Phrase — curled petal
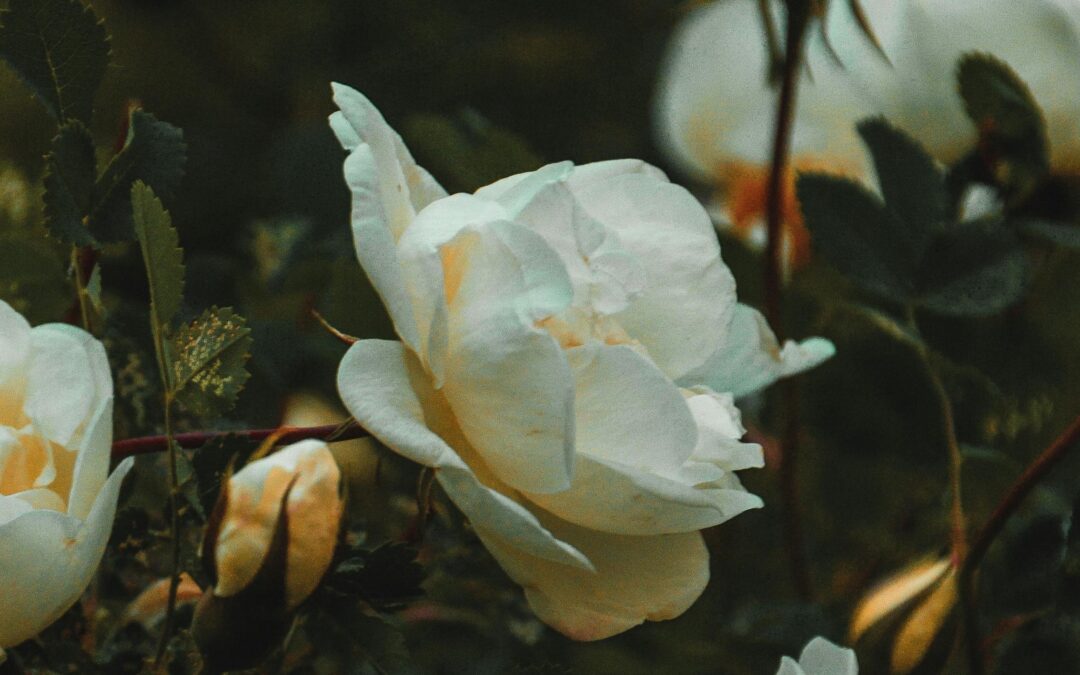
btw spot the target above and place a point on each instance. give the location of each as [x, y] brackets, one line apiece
[751, 359]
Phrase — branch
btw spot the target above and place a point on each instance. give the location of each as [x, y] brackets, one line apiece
[331, 433]
[1014, 497]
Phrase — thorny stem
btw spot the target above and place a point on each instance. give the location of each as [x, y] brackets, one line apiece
[785, 113]
[145, 445]
[1014, 497]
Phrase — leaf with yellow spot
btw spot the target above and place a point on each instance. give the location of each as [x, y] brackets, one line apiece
[209, 359]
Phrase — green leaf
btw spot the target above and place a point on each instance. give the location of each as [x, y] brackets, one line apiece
[385, 577]
[1012, 131]
[911, 183]
[60, 50]
[161, 253]
[973, 269]
[857, 234]
[209, 358]
[70, 170]
[153, 153]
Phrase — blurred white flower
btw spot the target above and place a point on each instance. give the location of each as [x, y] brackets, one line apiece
[715, 112]
[57, 499]
[821, 657]
[570, 349]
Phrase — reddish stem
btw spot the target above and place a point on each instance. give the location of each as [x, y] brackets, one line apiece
[148, 444]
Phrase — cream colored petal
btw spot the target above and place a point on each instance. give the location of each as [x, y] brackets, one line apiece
[47, 559]
[507, 380]
[383, 386]
[821, 657]
[92, 461]
[751, 359]
[683, 312]
[14, 346]
[636, 578]
[619, 499]
[253, 510]
[67, 379]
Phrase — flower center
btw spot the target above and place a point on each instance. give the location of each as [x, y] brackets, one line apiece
[34, 469]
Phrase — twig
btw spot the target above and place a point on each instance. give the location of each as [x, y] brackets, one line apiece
[331, 433]
[785, 114]
[1014, 497]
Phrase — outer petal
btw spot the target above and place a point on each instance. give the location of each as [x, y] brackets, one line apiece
[253, 510]
[636, 579]
[609, 497]
[821, 657]
[388, 189]
[92, 461]
[386, 390]
[14, 345]
[686, 306]
[403, 187]
[55, 555]
[68, 378]
[508, 381]
[750, 359]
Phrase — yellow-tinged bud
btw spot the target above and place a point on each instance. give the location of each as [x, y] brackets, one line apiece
[269, 543]
[908, 620]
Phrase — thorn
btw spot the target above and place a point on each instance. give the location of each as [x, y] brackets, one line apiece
[342, 337]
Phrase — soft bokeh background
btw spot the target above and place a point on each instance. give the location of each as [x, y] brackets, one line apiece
[481, 89]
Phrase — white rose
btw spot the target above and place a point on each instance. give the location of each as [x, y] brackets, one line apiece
[715, 112]
[564, 336]
[57, 499]
[821, 657]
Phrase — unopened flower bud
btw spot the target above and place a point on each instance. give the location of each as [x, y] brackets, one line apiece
[908, 620]
[268, 545]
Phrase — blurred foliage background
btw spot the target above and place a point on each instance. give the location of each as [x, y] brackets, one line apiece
[479, 90]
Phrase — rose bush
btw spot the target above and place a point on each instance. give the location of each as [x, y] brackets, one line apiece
[714, 109]
[570, 349]
[57, 499]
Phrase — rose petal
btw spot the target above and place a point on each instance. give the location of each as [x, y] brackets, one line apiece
[636, 578]
[508, 381]
[685, 307]
[750, 358]
[55, 555]
[68, 378]
[14, 347]
[383, 386]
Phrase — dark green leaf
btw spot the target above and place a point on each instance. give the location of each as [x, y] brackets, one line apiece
[153, 153]
[858, 235]
[973, 269]
[386, 576]
[910, 181]
[161, 253]
[70, 170]
[60, 50]
[1069, 595]
[1011, 128]
[209, 358]
[210, 462]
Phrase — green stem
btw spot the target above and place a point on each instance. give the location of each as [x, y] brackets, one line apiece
[81, 296]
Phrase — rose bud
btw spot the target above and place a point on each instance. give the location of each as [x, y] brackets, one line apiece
[269, 543]
[908, 621]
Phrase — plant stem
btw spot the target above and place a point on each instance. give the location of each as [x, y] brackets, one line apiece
[144, 445]
[774, 252]
[1014, 497]
[81, 259]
